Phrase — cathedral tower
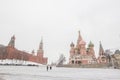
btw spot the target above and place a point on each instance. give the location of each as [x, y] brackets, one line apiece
[72, 51]
[101, 50]
[79, 39]
[90, 49]
[102, 57]
[81, 44]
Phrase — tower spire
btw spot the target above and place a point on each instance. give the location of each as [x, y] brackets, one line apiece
[40, 50]
[90, 44]
[12, 42]
[79, 37]
[101, 50]
[41, 44]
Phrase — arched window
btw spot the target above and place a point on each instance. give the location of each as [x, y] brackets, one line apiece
[79, 62]
[72, 61]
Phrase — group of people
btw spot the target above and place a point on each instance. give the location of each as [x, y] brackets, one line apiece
[49, 67]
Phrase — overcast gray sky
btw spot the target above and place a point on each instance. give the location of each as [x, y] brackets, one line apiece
[58, 22]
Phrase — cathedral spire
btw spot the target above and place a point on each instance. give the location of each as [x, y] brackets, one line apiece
[79, 37]
[101, 50]
[90, 44]
[12, 42]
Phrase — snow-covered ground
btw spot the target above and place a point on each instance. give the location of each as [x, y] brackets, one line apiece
[40, 73]
[19, 62]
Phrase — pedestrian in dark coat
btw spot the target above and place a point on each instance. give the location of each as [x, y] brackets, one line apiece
[50, 67]
[47, 68]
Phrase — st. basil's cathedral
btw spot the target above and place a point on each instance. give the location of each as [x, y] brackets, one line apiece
[79, 54]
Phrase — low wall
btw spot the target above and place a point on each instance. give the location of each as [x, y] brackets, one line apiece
[86, 66]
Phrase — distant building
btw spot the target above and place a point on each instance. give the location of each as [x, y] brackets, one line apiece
[116, 59]
[79, 54]
[10, 52]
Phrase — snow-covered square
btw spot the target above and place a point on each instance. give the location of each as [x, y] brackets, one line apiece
[57, 73]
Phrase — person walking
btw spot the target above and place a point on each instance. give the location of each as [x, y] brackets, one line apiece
[47, 68]
[50, 67]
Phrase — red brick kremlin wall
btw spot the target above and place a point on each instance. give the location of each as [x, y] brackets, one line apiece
[13, 53]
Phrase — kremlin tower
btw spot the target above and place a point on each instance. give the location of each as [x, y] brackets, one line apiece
[12, 42]
[40, 53]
